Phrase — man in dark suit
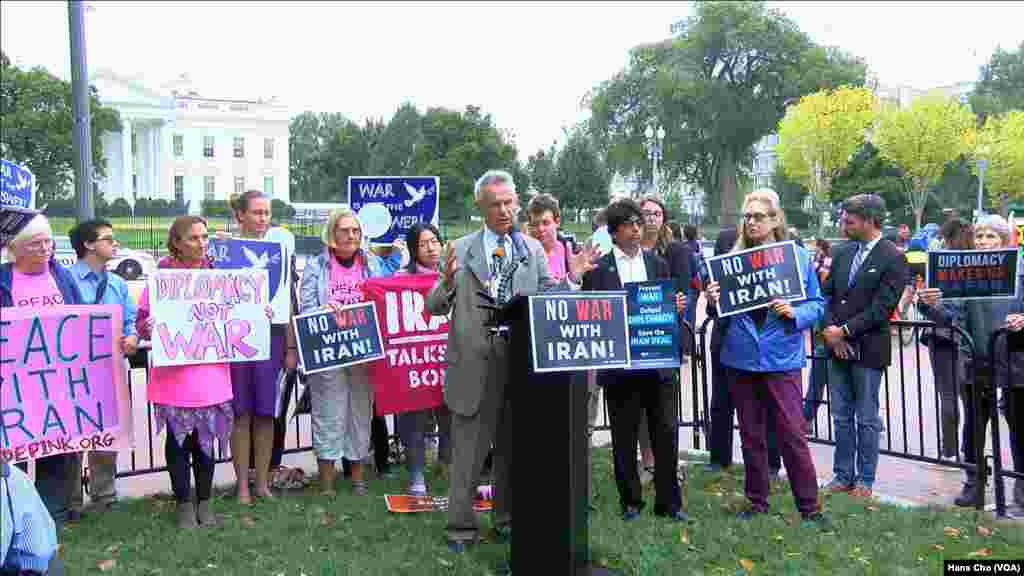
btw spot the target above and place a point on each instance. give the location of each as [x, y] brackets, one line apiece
[631, 393]
[868, 275]
[720, 437]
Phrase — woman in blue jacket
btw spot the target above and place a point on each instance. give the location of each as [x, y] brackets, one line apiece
[32, 278]
[765, 350]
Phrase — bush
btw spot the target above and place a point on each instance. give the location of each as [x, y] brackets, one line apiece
[282, 209]
[119, 208]
[216, 208]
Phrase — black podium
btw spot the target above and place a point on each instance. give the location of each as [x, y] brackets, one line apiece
[549, 460]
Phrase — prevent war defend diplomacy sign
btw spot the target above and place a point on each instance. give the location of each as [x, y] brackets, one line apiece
[388, 206]
[974, 274]
[579, 331]
[751, 279]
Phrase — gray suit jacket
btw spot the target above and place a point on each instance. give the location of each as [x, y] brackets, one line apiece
[469, 344]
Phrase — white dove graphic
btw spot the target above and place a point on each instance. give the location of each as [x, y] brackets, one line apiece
[417, 195]
[256, 261]
[24, 183]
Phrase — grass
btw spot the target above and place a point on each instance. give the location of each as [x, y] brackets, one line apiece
[304, 533]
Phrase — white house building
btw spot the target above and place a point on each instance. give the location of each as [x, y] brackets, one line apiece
[178, 145]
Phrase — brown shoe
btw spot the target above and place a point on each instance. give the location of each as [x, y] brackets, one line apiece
[860, 491]
[836, 487]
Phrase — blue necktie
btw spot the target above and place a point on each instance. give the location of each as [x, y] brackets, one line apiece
[858, 259]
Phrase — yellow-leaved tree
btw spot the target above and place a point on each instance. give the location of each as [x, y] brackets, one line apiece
[820, 134]
[1001, 143]
[921, 139]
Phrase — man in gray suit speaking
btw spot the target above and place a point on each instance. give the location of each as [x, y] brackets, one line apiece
[504, 263]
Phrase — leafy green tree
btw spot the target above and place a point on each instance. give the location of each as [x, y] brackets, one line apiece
[581, 179]
[37, 127]
[1000, 85]
[869, 173]
[921, 140]
[719, 86]
[394, 153]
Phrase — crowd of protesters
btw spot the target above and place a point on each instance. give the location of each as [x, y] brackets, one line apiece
[757, 357]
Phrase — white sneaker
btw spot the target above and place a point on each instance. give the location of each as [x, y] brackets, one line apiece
[418, 488]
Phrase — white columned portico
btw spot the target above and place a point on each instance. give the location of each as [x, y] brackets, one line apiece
[157, 153]
[127, 162]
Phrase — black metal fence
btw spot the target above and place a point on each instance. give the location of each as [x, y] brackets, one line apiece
[912, 409]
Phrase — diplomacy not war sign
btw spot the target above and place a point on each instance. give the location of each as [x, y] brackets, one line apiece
[326, 344]
[751, 279]
[411, 375]
[579, 331]
[240, 253]
[653, 325]
[388, 206]
[974, 274]
[61, 382]
[205, 316]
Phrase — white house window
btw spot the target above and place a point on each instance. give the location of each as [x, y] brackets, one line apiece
[208, 146]
[179, 188]
[239, 184]
[239, 147]
[268, 186]
[179, 145]
[208, 188]
[268, 148]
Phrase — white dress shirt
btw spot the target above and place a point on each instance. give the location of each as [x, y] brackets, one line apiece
[630, 268]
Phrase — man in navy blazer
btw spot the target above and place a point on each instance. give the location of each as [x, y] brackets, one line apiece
[867, 279]
[631, 393]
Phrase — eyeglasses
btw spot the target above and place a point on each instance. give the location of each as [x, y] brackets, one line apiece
[347, 231]
[756, 216]
[429, 243]
[634, 221]
[40, 245]
[110, 239]
[653, 214]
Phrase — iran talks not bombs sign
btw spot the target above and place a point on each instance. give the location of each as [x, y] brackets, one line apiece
[411, 375]
[205, 316]
[974, 274]
[62, 386]
[751, 279]
[579, 331]
[327, 342]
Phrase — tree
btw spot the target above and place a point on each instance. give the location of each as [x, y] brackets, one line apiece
[581, 179]
[820, 134]
[394, 153]
[37, 127]
[1001, 142]
[921, 140]
[869, 173]
[324, 150]
[718, 87]
[1000, 85]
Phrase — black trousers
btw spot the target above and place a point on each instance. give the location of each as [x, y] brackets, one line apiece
[180, 459]
[1014, 412]
[631, 393]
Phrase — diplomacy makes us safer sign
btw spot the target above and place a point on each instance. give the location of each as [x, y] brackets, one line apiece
[974, 274]
[752, 279]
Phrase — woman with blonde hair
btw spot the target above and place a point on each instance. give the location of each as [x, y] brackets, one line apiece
[32, 278]
[764, 348]
[194, 401]
[341, 400]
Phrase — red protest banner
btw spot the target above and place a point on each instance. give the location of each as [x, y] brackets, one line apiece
[411, 375]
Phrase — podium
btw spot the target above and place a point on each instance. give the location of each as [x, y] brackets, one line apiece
[549, 460]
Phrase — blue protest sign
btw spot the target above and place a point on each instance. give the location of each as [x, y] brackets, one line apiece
[753, 278]
[16, 183]
[974, 274]
[653, 325]
[235, 253]
[388, 206]
[328, 341]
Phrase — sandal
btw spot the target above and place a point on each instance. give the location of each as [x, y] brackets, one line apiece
[285, 478]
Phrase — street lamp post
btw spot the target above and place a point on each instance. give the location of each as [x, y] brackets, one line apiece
[982, 164]
[654, 151]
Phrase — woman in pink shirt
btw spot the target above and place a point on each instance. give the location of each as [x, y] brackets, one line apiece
[545, 217]
[194, 402]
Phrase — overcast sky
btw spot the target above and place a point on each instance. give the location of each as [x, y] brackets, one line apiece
[528, 64]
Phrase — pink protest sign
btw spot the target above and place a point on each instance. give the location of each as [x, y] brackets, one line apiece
[62, 386]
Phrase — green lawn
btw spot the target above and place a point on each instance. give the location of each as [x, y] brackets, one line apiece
[303, 533]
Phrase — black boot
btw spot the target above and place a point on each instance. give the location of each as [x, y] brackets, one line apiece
[967, 495]
[1018, 492]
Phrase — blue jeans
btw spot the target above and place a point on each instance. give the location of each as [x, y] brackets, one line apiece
[857, 425]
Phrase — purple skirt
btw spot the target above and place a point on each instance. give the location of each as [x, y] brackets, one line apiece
[208, 422]
[254, 384]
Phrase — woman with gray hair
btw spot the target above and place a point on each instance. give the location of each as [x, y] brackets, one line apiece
[32, 278]
[341, 400]
[981, 319]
